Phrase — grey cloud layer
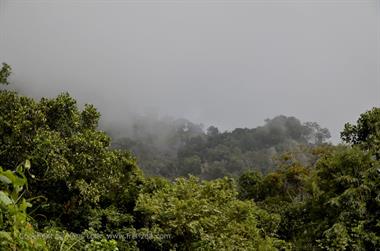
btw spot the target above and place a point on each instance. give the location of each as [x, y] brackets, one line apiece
[232, 65]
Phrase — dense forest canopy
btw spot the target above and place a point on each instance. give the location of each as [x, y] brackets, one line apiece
[173, 148]
[65, 187]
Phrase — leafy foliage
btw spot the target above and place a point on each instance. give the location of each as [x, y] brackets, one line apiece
[196, 215]
[16, 232]
[5, 72]
[73, 168]
[366, 132]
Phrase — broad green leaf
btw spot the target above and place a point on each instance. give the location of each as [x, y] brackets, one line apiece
[16, 180]
[5, 180]
[5, 199]
[5, 235]
[27, 164]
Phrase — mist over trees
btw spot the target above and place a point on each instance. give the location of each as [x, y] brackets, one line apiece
[173, 148]
[64, 187]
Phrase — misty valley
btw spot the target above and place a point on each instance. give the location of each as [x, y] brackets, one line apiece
[169, 184]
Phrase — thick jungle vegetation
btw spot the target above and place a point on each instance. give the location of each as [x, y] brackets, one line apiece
[172, 148]
[64, 186]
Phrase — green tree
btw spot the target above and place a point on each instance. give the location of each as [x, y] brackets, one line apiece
[195, 215]
[5, 72]
[73, 168]
[349, 183]
[365, 133]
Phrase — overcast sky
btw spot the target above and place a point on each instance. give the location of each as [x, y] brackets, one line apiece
[227, 63]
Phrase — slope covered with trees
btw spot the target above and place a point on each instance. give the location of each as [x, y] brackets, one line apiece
[173, 148]
[63, 187]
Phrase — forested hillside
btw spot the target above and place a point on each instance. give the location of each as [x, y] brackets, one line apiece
[63, 187]
[173, 148]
